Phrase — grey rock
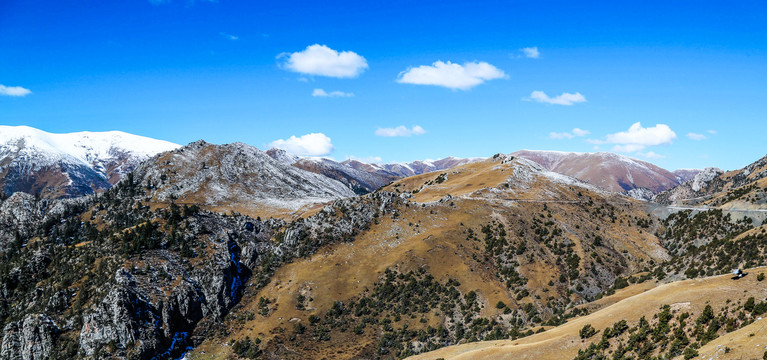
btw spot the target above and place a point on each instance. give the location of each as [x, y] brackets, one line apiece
[32, 338]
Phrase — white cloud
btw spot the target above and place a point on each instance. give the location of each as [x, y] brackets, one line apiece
[580, 132]
[651, 155]
[400, 131]
[712, 132]
[564, 99]
[321, 60]
[229, 36]
[558, 136]
[451, 75]
[637, 138]
[696, 137]
[314, 144]
[569, 135]
[323, 93]
[14, 91]
[530, 52]
[658, 135]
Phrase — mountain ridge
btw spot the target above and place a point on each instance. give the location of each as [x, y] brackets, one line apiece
[610, 171]
[70, 164]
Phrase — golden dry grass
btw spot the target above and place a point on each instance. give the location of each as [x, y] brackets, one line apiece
[563, 342]
[343, 271]
[432, 235]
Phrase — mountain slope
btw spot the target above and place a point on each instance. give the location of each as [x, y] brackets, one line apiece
[401, 170]
[683, 175]
[69, 165]
[483, 249]
[612, 172]
[359, 181]
[234, 177]
[360, 177]
[726, 298]
[744, 188]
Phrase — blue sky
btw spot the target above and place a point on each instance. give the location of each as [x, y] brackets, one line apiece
[693, 73]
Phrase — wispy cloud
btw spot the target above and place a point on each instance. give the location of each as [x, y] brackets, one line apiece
[451, 75]
[637, 138]
[321, 60]
[530, 52]
[569, 135]
[563, 99]
[651, 155]
[229, 36]
[314, 144]
[14, 91]
[323, 93]
[400, 131]
[697, 137]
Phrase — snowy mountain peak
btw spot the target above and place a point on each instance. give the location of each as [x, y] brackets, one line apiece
[86, 147]
[70, 164]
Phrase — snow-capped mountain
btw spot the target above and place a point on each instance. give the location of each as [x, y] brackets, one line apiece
[361, 182]
[401, 170]
[234, 177]
[612, 172]
[363, 177]
[282, 156]
[72, 164]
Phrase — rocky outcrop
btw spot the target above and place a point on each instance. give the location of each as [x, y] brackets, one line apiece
[149, 313]
[19, 215]
[751, 173]
[683, 175]
[234, 175]
[32, 338]
[705, 183]
[339, 221]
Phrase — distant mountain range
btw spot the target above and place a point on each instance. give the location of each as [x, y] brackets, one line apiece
[199, 249]
[743, 188]
[69, 165]
[363, 177]
[609, 171]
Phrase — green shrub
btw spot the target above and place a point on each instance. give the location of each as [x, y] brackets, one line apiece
[587, 331]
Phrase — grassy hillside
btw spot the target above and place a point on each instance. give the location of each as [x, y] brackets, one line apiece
[713, 312]
[463, 260]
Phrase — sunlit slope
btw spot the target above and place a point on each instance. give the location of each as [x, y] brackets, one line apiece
[442, 236]
[689, 296]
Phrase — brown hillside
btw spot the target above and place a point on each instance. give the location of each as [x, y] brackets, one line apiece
[689, 296]
[510, 232]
